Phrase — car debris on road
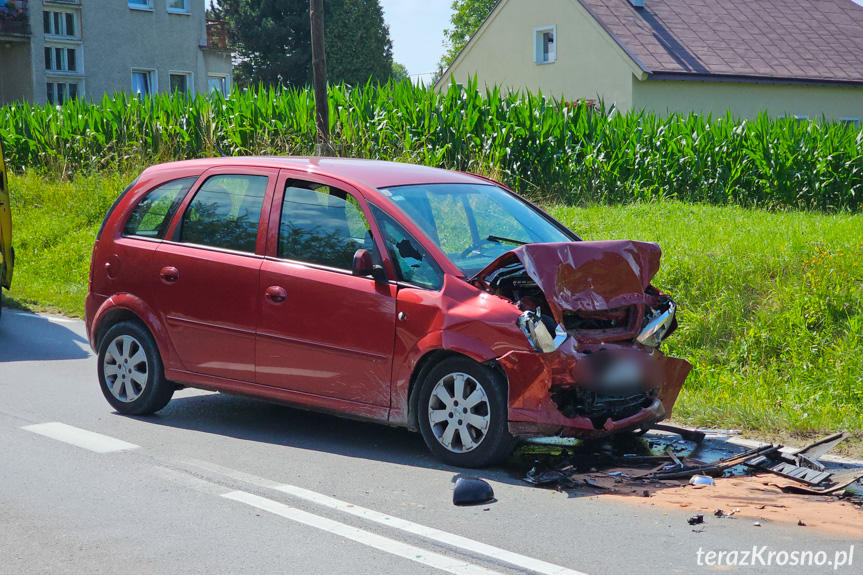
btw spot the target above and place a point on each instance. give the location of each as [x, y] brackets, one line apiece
[472, 491]
[605, 471]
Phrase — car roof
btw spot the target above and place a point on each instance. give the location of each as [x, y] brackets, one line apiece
[373, 173]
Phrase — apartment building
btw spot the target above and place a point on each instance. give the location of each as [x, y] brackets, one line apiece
[52, 50]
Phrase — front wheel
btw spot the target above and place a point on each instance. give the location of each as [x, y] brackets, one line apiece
[463, 412]
[130, 370]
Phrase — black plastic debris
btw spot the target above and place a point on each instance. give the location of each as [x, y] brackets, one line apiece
[696, 519]
[803, 467]
[472, 491]
[692, 435]
[552, 476]
[714, 469]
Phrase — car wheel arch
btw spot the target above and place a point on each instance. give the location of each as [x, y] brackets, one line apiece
[126, 307]
[426, 363]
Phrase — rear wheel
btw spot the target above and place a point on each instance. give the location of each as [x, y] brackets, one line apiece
[463, 412]
[130, 370]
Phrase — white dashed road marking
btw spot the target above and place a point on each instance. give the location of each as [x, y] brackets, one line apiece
[451, 539]
[80, 437]
[374, 540]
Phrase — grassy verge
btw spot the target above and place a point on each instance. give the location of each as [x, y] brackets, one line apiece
[54, 225]
[771, 303]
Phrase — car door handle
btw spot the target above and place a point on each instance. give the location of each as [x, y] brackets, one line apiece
[276, 294]
[169, 274]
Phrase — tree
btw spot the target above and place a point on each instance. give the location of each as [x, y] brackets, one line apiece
[273, 38]
[359, 48]
[468, 17]
[274, 45]
[400, 72]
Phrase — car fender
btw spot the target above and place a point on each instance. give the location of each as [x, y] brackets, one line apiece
[415, 360]
[139, 308]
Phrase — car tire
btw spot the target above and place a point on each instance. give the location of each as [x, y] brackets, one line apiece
[130, 370]
[462, 413]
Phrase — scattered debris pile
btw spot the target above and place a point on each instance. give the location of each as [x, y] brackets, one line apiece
[801, 472]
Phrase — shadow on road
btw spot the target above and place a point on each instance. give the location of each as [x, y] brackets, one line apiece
[29, 337]
[254, 420]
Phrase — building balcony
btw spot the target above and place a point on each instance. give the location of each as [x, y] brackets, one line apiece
[217, 35]
[14, 19]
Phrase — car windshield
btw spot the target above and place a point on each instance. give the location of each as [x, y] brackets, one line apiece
[474, 224]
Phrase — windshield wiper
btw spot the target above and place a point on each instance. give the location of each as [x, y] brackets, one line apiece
[500, 240]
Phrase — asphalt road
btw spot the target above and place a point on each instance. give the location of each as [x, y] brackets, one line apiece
[217, 484]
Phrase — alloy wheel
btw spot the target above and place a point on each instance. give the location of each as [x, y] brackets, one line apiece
[126, 368]
[459, 412]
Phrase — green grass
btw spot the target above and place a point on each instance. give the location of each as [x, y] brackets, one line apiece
[54, 224]
[771, 303]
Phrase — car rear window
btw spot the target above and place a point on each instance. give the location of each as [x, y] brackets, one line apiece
[113, 207]
[153, 214]
[225, 212]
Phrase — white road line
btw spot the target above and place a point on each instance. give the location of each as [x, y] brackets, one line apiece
[80, 437]
[374, 540]
[458, 541]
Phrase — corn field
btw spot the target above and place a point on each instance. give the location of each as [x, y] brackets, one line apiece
[542, 147]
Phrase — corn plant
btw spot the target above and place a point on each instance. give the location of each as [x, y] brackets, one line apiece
[543, 147]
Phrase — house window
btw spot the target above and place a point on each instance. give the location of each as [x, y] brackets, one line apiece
[178, 6]
[851, 122]
[181, 82]
[61, 59]
[59, 24]
[141, 4]
[217, 84]
[545, 51]
[59, 92]
[143, 82]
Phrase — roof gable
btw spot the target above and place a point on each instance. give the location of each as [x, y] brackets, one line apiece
[799, 40]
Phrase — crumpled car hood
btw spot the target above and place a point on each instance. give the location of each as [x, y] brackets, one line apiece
[589, 276]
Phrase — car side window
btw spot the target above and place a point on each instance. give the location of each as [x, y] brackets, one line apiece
[322, 225]
[412, 262]
[153, 214]
[225, 212]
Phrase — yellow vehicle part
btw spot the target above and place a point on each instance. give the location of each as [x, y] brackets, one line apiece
[7, 256]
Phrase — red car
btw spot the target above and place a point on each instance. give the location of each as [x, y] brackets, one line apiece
[403, 294]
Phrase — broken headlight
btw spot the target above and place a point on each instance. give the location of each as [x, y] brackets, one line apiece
[656, 326]
[538, 334]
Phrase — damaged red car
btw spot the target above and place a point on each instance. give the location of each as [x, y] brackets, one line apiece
[402, 294]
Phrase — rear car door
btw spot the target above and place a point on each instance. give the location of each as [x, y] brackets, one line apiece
[321, 330]
[205, 279]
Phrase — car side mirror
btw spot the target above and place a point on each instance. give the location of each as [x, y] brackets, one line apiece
[363, 267]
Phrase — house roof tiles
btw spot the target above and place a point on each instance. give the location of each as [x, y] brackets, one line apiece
[812, 40]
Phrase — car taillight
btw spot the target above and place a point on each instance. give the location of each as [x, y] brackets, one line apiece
[92, 261]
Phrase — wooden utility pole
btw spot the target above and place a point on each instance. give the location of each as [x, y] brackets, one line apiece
[319, 68]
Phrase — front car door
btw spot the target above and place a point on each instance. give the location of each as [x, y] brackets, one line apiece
[205, 279]
[321, 330]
